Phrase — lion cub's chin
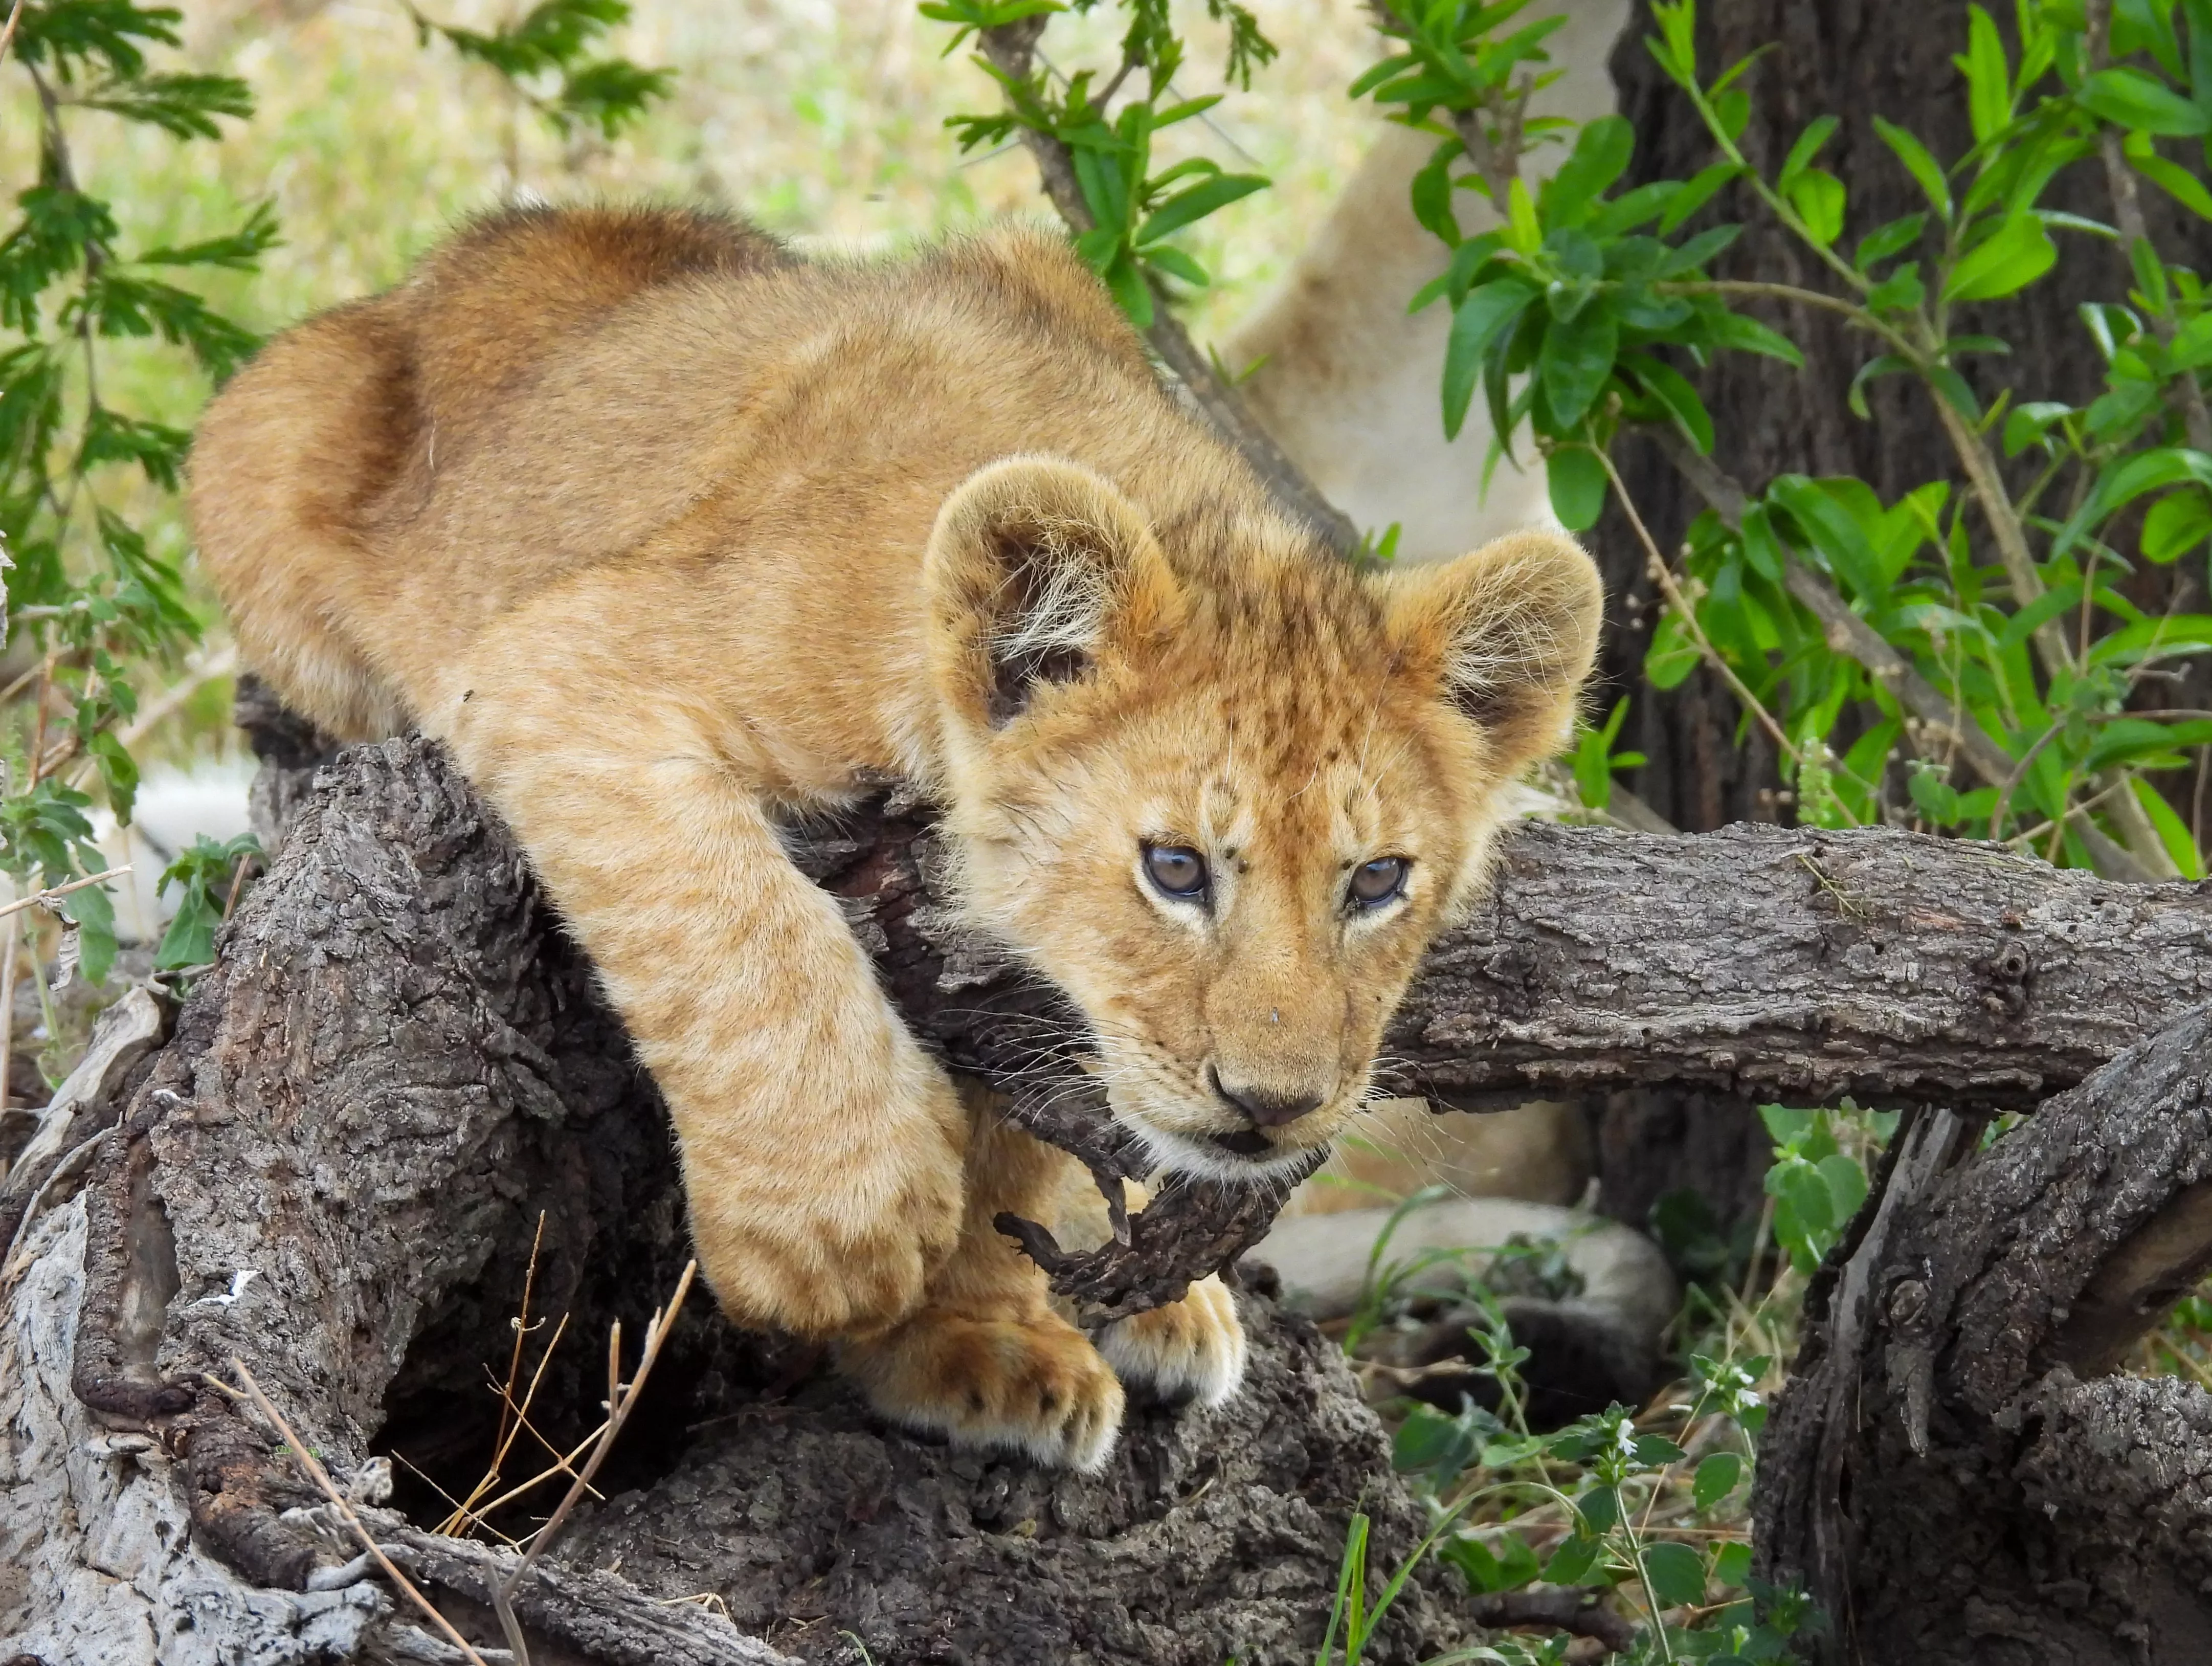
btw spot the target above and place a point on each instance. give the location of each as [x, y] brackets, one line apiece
[1210, 1158]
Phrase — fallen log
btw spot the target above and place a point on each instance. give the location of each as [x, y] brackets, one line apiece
[338, 1169]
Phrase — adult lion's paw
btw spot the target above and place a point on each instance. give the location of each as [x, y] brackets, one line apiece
[1033, 1385]
[1192, 1349]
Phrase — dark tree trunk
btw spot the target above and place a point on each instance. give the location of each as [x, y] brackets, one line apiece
[1856, 60]
[1952, 1474]
[1708, 766]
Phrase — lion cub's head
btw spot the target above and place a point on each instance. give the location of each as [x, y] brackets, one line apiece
[1222, 790]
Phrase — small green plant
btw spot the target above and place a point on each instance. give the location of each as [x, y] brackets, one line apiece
[207, 876]
[1594, 762]
[1974, 628]
[93, 606]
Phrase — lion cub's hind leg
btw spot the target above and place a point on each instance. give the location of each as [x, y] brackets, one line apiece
[1190, 1350]
[986, 1362]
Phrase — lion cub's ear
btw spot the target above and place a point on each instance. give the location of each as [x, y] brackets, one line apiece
[1035, 570]
[1509, 633]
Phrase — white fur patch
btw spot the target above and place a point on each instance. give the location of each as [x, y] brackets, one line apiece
[1197, 1352]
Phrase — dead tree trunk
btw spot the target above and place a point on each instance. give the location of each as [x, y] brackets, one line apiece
[400, 1065]
[1955, 1474]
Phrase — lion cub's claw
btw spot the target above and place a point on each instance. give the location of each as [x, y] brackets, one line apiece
[1033, 1385]
[1192, 1349]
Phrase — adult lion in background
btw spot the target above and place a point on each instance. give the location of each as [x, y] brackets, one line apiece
[669, 533]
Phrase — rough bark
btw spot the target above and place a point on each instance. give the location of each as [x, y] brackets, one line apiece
[400, 1063]
[1951, 1472]
[398, 1067]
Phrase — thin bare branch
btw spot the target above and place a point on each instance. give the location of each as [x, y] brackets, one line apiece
[40, 898]
[317, 1473]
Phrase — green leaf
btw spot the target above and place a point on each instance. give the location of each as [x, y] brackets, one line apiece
[118, 773]
[1578, 484]
[2179, 183]
[1672, 389]
[1801, 153]
[1571, 1562]
[2027, 425]
[1919, 163]
[2173, 831]
[2010, 259]
[1715, 1479]
[2130, 98]
[1677, 1572]
[1749, 336]
[1732, 1564]
[1576, 360]
[1486, 312]
[1601, 155]
[1166, 258]
[1847, 1186]
[1886, 364]
[1696, 193]
[1693, 255]
[1761, 549]
[1818, 198]
[1513, 1565]
[1432, 193]
[1883, 241]
[1522, 232]
[1832, 530]
[1989, 77]
[190, 940]
[1196, 203]
[2176, 525]
[93, 910]
[1672, 656]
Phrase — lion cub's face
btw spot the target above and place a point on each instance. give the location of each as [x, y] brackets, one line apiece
[1224, 798]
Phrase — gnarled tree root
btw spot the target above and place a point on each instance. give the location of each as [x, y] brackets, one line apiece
[1951, 1473]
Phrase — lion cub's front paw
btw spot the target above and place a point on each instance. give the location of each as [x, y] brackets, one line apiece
[1191, 1349]
[1033, 1385]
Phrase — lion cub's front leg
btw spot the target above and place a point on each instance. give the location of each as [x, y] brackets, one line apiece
[821, 1150]
[988, 1362]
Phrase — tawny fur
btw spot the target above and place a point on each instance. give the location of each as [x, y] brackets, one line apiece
[667, 533]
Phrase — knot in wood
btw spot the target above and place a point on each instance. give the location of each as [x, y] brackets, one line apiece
[2009, 972]
[1908, 1301]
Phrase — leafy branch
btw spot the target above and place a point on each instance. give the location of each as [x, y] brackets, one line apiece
[1097, 168]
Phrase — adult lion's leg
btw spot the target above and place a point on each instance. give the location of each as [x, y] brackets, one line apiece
[822, 1149]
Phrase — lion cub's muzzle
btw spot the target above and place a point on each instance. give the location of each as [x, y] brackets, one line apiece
[1260, 1105]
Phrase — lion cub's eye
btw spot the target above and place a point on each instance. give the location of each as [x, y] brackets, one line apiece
[1176, 869]
[1375, 882]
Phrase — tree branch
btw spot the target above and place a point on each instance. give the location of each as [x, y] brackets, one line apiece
[1849, 634]
[1012, 49]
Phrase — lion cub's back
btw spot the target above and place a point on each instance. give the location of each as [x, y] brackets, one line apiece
[309, 462]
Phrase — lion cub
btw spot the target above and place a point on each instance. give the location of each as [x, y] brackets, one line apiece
[667, 533]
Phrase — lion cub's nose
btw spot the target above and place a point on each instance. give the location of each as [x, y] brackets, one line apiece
[1264, 1108]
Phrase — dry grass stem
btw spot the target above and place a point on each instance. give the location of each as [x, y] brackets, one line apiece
[621, 1399]
[316, 1473]
[38, 898]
